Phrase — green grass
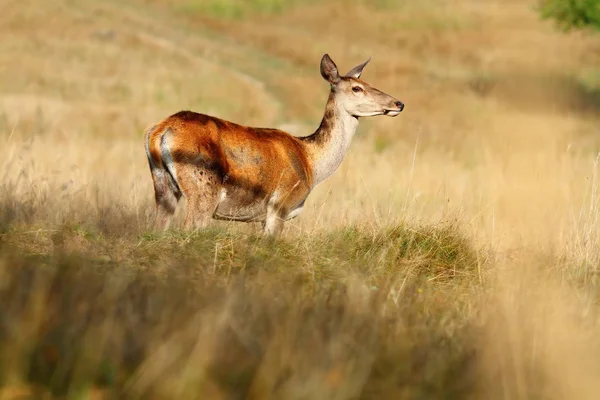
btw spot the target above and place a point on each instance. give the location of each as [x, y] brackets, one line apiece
[589, 79]
[235, 9]
[100, 317]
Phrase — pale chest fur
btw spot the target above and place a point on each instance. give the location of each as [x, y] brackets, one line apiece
[328, 155]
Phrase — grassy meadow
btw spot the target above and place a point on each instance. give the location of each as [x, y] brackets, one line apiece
[454, 255]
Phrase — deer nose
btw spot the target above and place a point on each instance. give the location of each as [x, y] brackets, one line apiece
[400, 105]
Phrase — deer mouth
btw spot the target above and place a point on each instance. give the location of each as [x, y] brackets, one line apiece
[391, 112]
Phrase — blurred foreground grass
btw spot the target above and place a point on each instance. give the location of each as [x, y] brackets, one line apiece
[344, 314]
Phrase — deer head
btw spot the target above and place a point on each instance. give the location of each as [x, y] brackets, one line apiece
[354, 95]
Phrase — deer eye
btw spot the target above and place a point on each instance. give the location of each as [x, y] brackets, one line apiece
[356, 89]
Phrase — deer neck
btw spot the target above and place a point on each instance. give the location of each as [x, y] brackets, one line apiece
[328, 145]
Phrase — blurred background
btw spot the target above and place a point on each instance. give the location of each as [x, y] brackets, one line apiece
[499, 138]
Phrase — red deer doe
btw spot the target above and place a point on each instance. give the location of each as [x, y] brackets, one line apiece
[240, 173]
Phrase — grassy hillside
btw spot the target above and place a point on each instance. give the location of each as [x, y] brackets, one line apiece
[453, 255]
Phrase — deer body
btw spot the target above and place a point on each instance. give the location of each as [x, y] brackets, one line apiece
[241, 173]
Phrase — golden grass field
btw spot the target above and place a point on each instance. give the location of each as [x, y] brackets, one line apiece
[454, 254]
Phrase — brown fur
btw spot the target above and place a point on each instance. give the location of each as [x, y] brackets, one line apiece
[251, 164]
[324, 131]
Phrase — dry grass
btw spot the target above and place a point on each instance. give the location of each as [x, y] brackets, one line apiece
[455, 253]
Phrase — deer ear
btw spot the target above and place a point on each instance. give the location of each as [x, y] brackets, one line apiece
[329, 70]
[357, 71]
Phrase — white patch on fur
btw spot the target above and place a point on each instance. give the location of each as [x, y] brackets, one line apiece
[271, 223]
[223, 195]
[272, 219]
[294, 213]
[147, 145]
[167, 158]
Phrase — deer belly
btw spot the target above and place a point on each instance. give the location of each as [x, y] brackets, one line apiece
[238, 205]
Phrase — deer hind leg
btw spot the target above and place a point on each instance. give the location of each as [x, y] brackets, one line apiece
[201, 187]
[166, 191]
[166, 196]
